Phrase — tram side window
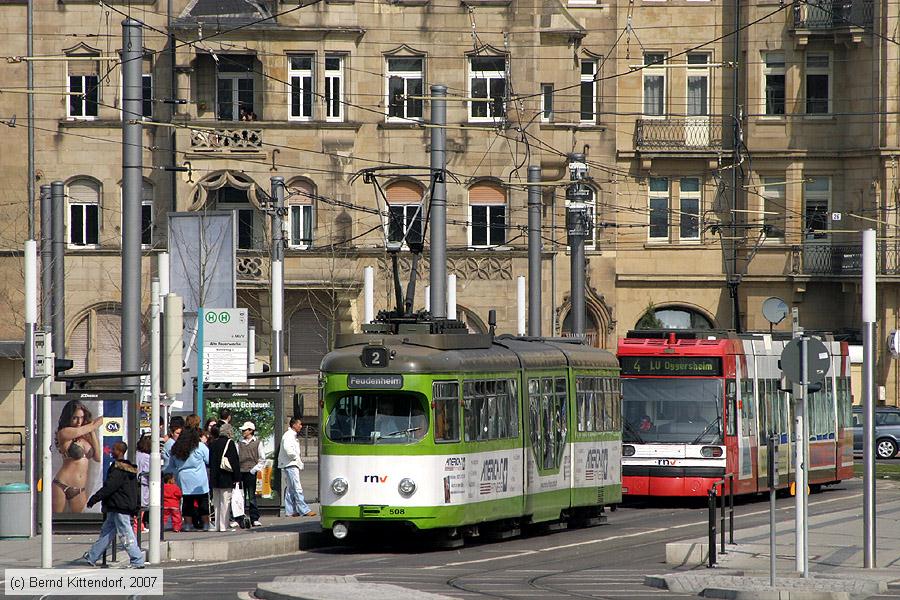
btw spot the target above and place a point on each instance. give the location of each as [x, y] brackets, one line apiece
[491, 409]
[534, 411]
[446, 411]
[731, 407]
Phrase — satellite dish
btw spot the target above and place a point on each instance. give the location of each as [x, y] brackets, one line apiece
[774, 310]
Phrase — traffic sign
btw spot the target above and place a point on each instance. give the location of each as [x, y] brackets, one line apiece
[817, 356]
[225, 345]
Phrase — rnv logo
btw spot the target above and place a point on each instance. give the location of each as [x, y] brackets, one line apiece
[375, 478]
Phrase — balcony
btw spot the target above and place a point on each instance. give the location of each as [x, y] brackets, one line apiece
[846, 259]
[846, 20]
[686, 134]
[231, 141]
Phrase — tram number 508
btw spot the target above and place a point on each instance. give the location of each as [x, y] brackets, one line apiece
[397, 511]
[374, 356]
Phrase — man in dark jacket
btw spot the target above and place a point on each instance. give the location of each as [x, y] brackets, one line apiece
[121, 499]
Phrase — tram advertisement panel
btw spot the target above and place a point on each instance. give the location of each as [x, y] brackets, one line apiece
[85, 427]
[700, 366]
[263, 408]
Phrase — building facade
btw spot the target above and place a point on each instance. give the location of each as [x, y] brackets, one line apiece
[691, 205]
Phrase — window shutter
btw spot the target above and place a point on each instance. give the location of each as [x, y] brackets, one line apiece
[404, 192]
[78, 346]
[84, 190]
[108, 337]
[486, 193]
[308, 341]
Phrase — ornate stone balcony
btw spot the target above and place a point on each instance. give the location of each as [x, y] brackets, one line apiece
[685, 134]
[833, 14]
[842, 259]
[226, 140]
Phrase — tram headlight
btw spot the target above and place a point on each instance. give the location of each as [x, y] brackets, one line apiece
[711, 452]
[339, 530]
[407, 487]
[339, 486]
[627, 450]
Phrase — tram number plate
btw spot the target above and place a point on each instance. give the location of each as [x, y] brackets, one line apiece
[378, 511]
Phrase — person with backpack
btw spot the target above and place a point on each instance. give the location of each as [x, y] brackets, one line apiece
[120, 497]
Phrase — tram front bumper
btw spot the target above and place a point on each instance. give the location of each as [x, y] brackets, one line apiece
[669, 481]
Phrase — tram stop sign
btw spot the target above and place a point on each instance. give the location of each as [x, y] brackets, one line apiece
[818, 359]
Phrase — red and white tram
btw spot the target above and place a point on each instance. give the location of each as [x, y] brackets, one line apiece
[699, 405]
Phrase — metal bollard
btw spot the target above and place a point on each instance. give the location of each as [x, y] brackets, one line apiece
[722, 518]
[731, 510]
[712, 527]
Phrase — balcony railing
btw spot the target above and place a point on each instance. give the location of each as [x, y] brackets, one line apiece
[845, 259]
[833, 14]
[686, 134]
[226, 140]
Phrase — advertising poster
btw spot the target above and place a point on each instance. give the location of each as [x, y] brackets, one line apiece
[85, 426]
[262, 407]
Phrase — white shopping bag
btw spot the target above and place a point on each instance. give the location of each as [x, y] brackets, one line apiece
[237, 502]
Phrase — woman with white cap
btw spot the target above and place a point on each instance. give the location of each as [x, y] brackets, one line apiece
[252, 462]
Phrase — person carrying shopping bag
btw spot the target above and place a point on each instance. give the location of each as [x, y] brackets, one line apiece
[224, 475]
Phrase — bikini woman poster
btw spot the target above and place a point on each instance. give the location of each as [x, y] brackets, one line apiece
[85, 426]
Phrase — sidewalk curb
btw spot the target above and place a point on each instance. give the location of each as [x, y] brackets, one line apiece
[336, 587]
[248, 546]
[734, 585]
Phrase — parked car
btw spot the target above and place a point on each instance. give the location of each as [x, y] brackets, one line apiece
[887, 431]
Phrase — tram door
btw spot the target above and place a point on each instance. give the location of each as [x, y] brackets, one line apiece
[546, 447]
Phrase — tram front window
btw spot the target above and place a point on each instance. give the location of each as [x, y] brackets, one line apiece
[672, 410]
[377, 418]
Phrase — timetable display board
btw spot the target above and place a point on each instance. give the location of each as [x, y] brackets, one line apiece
[684, 366]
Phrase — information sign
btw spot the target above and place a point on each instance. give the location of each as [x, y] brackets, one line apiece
[690, 366]
[225, 339]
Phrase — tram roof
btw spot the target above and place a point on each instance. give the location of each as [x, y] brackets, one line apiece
[441, 353]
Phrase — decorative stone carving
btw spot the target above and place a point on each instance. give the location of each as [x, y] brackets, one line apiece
[250, 267]
[482, 268]
[226, 140]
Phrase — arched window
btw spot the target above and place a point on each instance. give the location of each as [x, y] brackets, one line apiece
[95, 344]
[591, 329]
[84, 212]
[300, 213]
[673, 317]
[405, 211]
[308, 339]
[487, 215]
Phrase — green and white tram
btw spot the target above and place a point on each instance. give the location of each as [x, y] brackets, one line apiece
[466, 434]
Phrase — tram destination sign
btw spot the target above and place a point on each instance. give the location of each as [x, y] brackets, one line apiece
[374, 382]
[696, 366]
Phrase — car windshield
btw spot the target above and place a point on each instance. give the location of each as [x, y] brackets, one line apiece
[673, 410]
[377, 418]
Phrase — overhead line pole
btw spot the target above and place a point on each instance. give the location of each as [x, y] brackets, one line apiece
[277, 189]
[868, 319]
[132, 187]
[58, 265]
[534, 252]
[438, 208]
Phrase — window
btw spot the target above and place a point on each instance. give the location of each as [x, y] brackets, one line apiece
[698, 85]
[597, 404]
[84, 212]
[404, 212]
[404, 79]
[234, 88]
[816, 200]
[689, 217]
[487, 79]
[588, 91]
[445, 397]
[773, 80]
[673, 317]
[546, 102]
[300, 75]
[309, 339]
[547, 407]
[377, 418]
[147, 215]
[773, 205]
[300, 214]
[249, 226]
[491, 409]
[654, 84]
[659, 208]
[83, 81]
[818, 83]
[487, 215]
[334, 88]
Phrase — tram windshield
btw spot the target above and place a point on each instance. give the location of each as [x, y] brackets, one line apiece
[377, 418]
[672, 410]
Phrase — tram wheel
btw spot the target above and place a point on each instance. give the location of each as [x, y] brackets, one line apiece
[447, 539]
